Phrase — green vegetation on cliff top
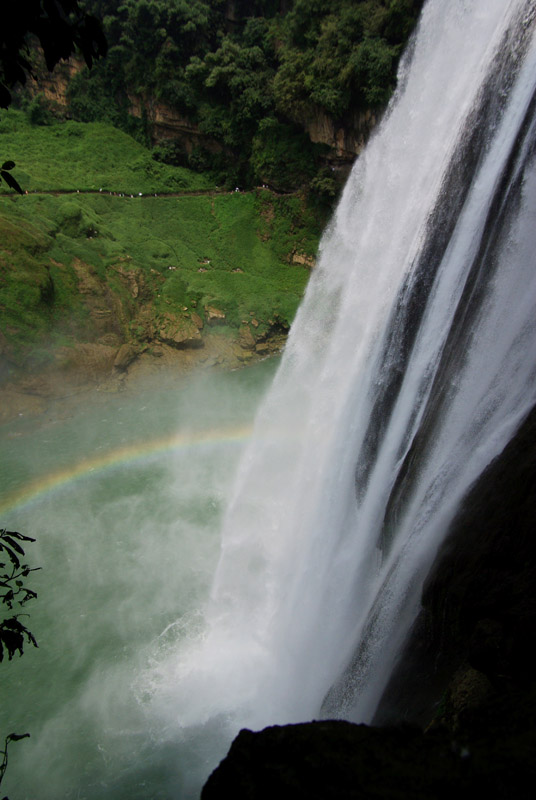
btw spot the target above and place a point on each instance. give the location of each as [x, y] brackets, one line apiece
[247, 76]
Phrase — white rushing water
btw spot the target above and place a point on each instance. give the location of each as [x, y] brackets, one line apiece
[410, 364]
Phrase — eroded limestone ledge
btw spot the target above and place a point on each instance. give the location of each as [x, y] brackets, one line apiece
[75, 371]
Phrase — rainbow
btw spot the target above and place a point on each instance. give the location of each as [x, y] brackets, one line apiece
[131, 454]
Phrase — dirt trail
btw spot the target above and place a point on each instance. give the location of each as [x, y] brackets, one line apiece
[150, 195]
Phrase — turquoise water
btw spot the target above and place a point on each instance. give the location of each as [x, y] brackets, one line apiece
[124, 495]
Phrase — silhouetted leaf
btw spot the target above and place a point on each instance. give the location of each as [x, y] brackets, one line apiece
[13, 641]
[11, 182]
[8, 165]
[16, 737]
[16, 535]
[14, 560]
[14, 544]
[30, 595]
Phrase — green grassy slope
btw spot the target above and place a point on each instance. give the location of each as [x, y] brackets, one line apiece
[69, 155]
[63, 255]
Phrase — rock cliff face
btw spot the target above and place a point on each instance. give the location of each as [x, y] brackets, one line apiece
[344, 137]
[119, 333]
[467, 675]
[54, 85]
[166, 123]
[477, 627]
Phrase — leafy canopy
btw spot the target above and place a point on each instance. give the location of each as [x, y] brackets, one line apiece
[234, 69]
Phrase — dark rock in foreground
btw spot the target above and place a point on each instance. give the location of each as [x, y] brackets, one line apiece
[340, 761]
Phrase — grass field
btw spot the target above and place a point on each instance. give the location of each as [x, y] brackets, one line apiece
[70, 156]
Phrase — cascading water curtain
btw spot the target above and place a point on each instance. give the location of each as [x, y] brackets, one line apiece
[410, 364]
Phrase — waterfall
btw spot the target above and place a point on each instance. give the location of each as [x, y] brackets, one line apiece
[409, 366]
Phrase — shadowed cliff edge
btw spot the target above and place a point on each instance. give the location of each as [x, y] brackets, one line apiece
[459, 713]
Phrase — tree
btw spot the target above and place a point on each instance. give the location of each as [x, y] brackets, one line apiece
[13, 595]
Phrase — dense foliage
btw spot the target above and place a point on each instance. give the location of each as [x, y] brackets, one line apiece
[248, 74]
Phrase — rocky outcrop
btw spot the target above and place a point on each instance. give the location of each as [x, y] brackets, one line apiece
[345, 138]
[121, 328]
[167, 123]
[177, 331]
[246, 338]
[214, 316]
[335, 760]
[477, 626]
[303, 260]
[54, 85]
[124, 357]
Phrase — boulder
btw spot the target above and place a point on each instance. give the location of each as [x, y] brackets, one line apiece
[125, 356]
[197, 320]
[246, 339]
[178, 332]
[214, 315]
